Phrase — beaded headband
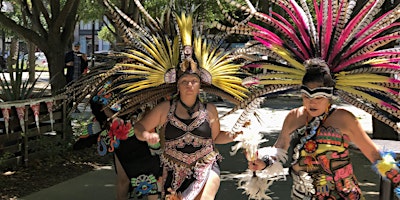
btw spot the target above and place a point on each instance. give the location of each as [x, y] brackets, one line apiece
[326, 92]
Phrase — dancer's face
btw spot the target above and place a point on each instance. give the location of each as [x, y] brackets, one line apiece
[189, 84]
[315, 105]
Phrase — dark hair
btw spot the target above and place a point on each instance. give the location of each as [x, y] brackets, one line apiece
[317, 71]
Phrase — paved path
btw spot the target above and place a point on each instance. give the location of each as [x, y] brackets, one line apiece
[100, 184]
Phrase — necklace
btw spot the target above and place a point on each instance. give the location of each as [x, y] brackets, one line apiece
[189, 110]
[310, 145]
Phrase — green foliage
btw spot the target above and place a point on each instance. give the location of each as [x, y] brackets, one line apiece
[4, 157]
[207, 11]
[15, 88]
[107, 35]
[52, 147]
[90, 10]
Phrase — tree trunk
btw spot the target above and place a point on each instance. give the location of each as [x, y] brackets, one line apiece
[55, 60]
[31, 61]
[13, 57]
[382, 131]
[3, 42]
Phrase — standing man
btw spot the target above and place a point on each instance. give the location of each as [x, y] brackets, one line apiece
[75, 62]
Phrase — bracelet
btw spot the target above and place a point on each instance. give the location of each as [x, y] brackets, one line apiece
[397, 191]
[154, 146]
[231, 134]
[267, 160]
[394, 176]
[388, 168]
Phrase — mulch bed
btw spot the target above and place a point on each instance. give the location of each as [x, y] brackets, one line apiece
[44, 173]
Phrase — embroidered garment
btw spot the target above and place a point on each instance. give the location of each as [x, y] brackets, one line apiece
[136, 157]
[132, 153]
[321, 167]
[189, 153]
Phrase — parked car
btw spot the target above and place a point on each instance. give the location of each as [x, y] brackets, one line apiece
[40, 59]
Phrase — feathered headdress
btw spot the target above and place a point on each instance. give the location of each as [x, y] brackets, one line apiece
[357, 46]
[159, 53]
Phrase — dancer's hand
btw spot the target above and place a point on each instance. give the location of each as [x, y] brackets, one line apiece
[151, 138]
[173, 196]
[257, 165]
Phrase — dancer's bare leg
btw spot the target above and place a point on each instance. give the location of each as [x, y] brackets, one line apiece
[152, 197]
[210, 189]
[122, 181]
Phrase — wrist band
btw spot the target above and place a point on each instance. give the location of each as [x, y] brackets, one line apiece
[267, 160]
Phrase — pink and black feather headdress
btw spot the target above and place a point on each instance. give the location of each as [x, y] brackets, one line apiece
[353, 38]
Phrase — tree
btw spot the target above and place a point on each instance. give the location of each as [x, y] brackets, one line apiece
[207, 11]
[52, 24]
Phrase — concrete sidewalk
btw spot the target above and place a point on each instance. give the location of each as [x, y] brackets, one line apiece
[100, 184]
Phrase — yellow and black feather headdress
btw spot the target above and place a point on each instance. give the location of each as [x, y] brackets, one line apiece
[155, 60]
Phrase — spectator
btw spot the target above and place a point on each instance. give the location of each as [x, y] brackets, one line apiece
[3, 65]
[75, 62]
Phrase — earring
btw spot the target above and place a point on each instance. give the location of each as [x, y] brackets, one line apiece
[200, 98]
[327, 108]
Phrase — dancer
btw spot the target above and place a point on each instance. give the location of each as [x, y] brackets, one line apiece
[168, 59]
[190, 128]
[350, 55]
[320, 136]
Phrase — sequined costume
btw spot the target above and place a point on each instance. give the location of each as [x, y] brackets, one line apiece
[189, 153]
[321, 167]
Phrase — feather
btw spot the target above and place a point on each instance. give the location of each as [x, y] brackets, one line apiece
[385, 54]
[146, 14]
[375, 9]
[385, 20]
[258, 93]
[344, 37]
[129, 35]
[256, 184]
[313, 33]
[289, 34]
[327, 30]
[243, 118]
[355, 46]
[361, 43]
[371, 110]
[185, 24]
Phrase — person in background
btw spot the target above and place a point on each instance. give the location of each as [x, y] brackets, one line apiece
[75, 62]
[3, 65]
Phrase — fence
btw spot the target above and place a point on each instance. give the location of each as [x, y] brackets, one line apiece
[23, 123]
